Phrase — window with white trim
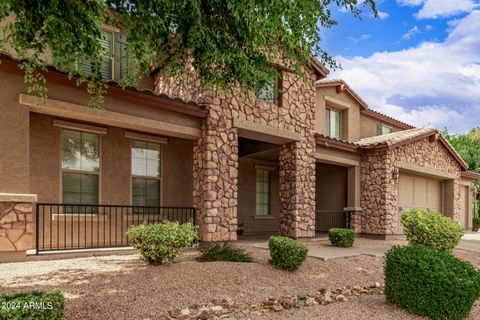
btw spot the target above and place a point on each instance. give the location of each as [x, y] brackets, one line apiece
[262, 194]
[333, 119]
[268, 92]
[146, 173]
[383, 129]
[80, 167]
[115, 64]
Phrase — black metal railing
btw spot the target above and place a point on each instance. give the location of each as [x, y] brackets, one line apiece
[326, 219]
[73, 226]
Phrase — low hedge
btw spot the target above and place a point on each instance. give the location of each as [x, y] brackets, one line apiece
[160, 243]
[476, 223]
[431, 229]
[340, 237]
[33, 305]
[286, 253]
[430, 283]
[224, 252]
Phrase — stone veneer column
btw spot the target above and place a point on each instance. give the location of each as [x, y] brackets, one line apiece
[297, 189]
[16, 226]
[215, 176]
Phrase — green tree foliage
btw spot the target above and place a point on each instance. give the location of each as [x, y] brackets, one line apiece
[468, 146]
[230, 42]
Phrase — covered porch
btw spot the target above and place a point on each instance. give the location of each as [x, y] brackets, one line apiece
[337, 191]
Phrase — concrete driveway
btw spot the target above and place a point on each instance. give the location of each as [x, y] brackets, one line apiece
[470, 241]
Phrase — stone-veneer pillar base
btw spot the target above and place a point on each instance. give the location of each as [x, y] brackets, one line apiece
[215, 177]
[297, 190]
[16, 226]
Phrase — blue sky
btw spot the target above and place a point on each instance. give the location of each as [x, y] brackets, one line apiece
[419, 62]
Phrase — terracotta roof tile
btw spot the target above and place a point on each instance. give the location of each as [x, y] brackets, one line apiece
[393, 138]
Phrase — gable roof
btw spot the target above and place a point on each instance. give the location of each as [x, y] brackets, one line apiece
[387, 119]
[342, 86]
[399, 138]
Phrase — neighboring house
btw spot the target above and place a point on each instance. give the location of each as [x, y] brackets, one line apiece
[170, 150]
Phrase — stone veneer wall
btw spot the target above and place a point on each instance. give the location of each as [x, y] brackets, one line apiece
[380, 182]
[215, 166]
[16, 226]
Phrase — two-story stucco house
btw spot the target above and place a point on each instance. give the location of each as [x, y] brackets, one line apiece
[296, 158]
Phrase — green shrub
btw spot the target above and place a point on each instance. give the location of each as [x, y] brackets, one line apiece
[430, 283]
[33, 305]
[159, 243]
[341, 237]
[476, 223]
[431, 229]
[224, 252]
[286, 253]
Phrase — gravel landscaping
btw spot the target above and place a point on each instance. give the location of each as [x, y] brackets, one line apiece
[125, 287]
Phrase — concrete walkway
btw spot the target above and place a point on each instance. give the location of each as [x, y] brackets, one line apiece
[328, 253]
[470, 242]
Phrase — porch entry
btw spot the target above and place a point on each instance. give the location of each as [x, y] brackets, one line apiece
[331, 197]
[73, 227]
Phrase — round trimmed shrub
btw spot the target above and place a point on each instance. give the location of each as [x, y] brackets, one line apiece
[430, 283]
[431, 229]
[286, 253]
[340, 237]
[160, 242]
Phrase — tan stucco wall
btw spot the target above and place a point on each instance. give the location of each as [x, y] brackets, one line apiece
[368, 126]
[246, 197]
[350, 123]
[14, 134]
[331, 190]
[114, 166]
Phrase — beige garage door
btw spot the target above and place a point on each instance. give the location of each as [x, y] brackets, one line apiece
[417, 192]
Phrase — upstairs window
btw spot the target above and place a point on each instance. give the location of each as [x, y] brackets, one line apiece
[80, 167]
[383, 129]
[115, 64]
[268, 92]
[332, 123]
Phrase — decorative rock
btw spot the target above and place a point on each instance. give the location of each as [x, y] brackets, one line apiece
[377, 285]
[310, 302]
[185, 312]
[174, 313]
[340, 298]
[328, 297]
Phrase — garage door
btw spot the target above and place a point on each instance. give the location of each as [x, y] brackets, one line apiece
[417, 192]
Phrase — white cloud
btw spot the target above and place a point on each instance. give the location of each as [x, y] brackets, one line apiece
[411, 33]
[410, 3]
[436, 83]
[428, 27]
[432, 9]
[444, 8]
[363, 37]
[383, 15]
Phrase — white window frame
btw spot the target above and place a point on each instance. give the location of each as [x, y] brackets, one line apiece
[276, 92]
[328, 123]
[66, 170]
[268, 213]
[381, 127]
[132, 176]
